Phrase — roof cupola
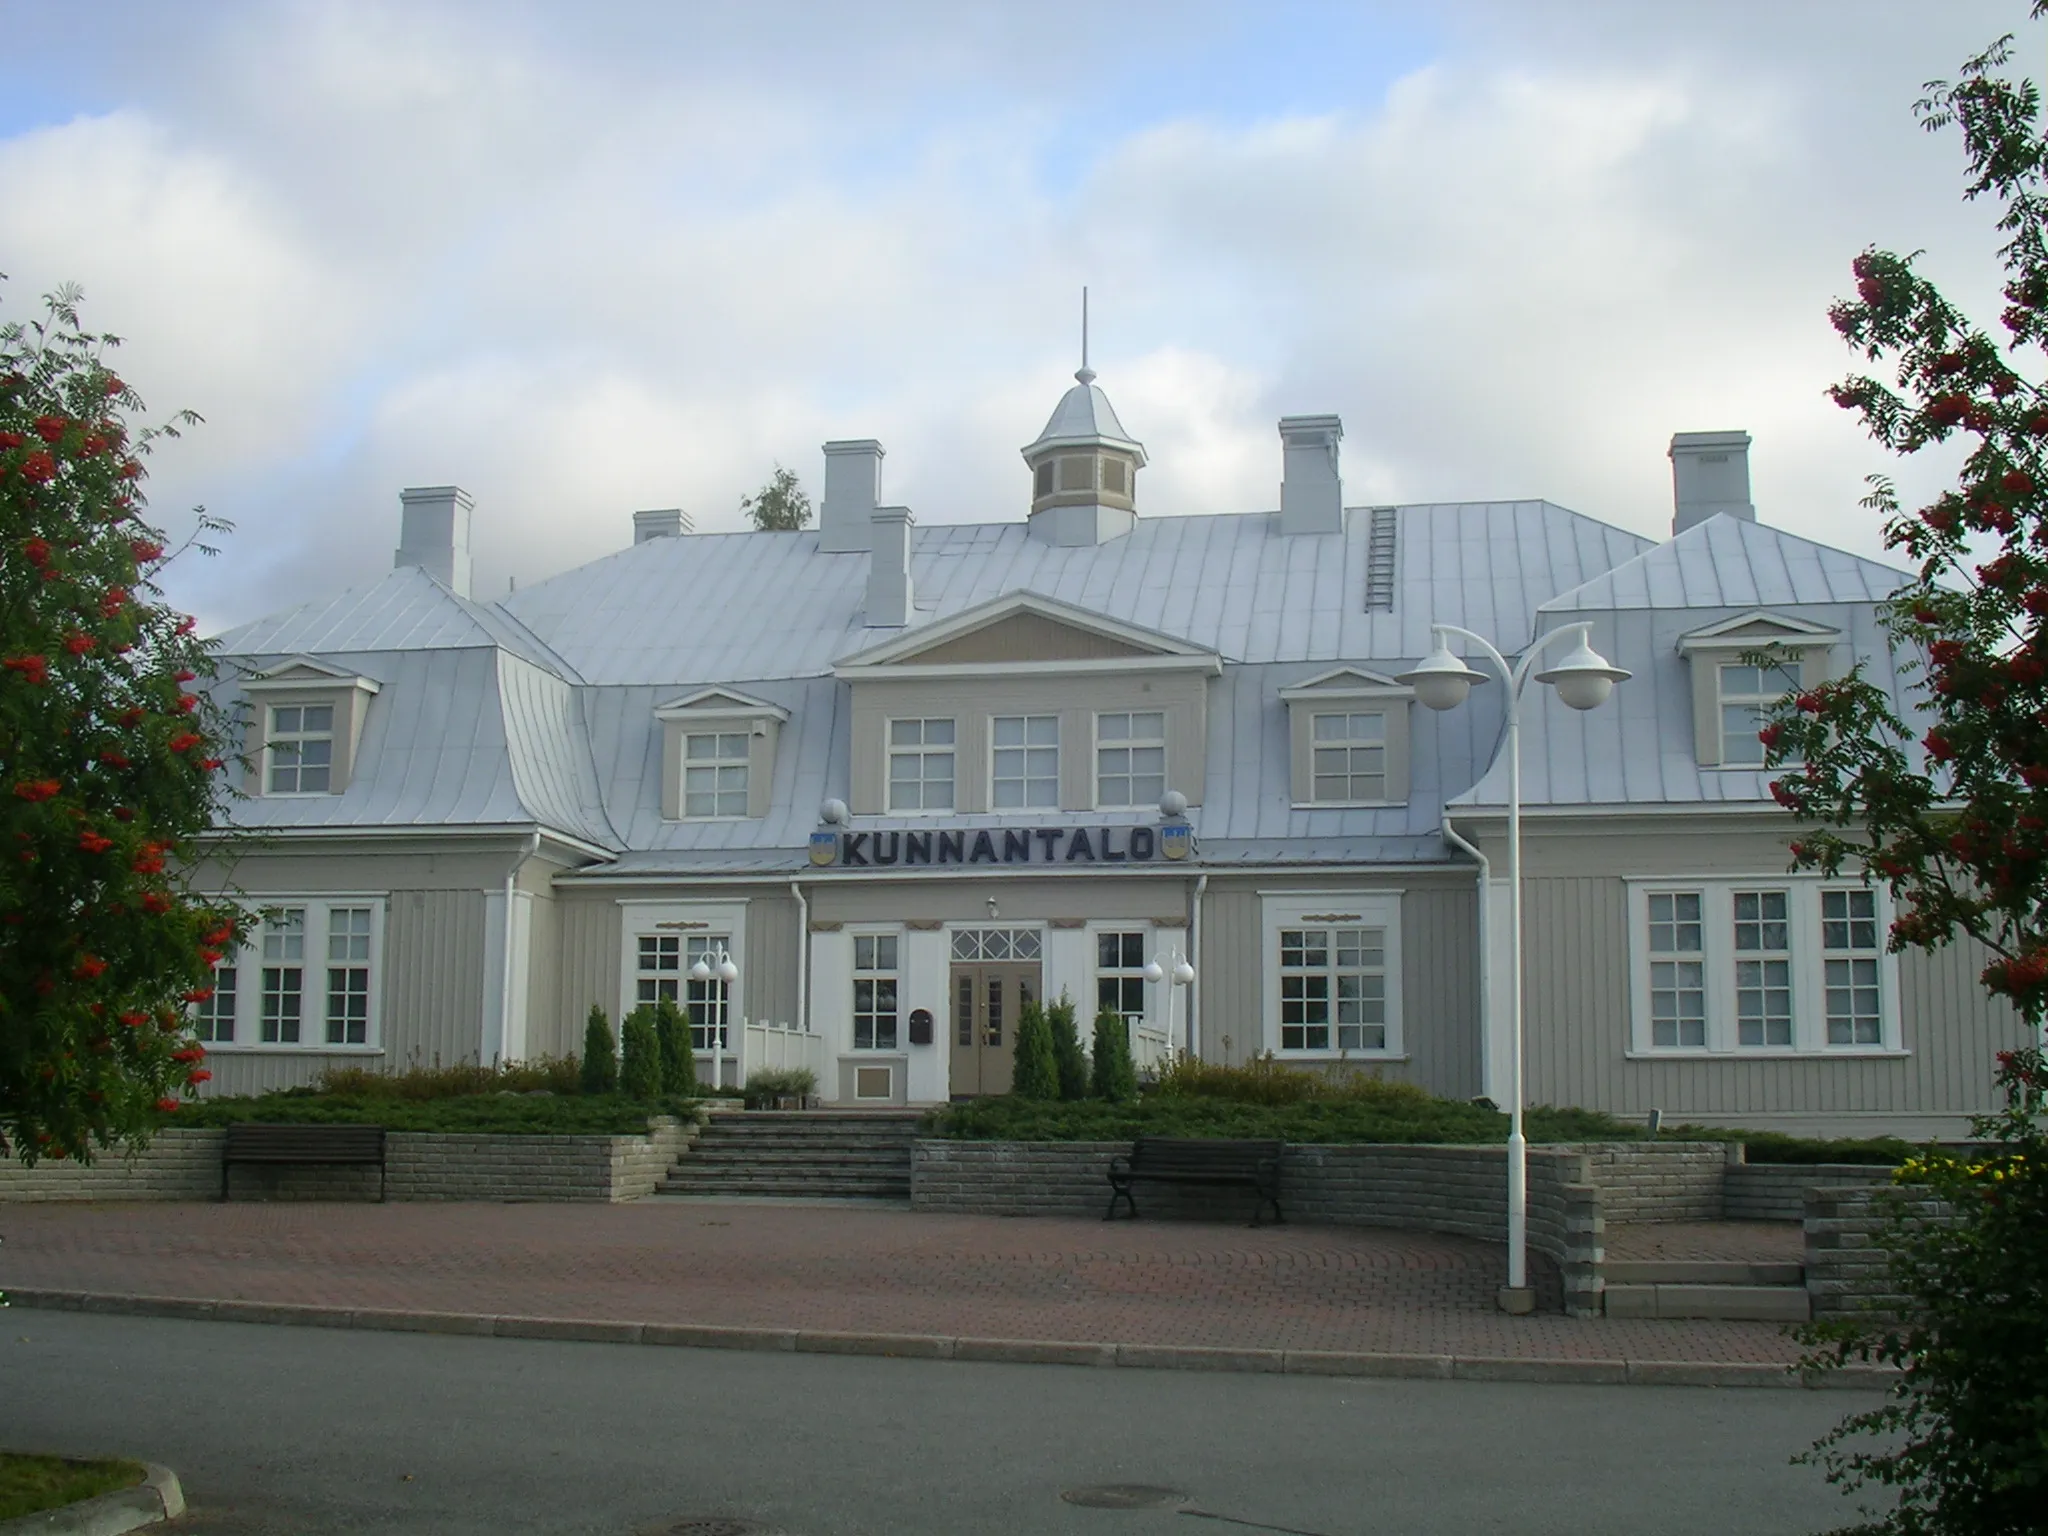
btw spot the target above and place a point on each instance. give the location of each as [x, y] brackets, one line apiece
[1084, 466]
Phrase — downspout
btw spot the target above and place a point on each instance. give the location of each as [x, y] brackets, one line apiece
[1195, 949]
[1453, 837]
[803, 958]
[505, 979]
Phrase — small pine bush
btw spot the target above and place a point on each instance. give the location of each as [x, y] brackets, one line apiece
[1116, 1075]
[1066, 1049]
[640, 1074]
[600, 1054]
[678, 1062]
[1037, 1071]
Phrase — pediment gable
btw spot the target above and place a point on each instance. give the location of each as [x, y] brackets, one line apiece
[1346, 682]
[1757, 630]
[308, 672]
[719, 704]
[1027, 630]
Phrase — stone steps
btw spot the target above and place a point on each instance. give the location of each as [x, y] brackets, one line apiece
[799, 1155]
[1744, 1290]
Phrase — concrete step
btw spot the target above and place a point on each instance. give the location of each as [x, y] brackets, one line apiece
[793, 1189]
[1753, 1303]
[1703, 1272]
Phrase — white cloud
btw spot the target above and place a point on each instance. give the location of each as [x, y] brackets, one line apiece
[637, 260]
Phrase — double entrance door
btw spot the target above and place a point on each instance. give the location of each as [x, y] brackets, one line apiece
[987, 998]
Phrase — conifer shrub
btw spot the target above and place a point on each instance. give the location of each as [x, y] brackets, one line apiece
[1037, 1071]
[678, 1061]
[640, 1073]
[1071, 1059]
[1115, 1075]
[600, 1054]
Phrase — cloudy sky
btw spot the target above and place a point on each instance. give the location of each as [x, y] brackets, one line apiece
[582, 259]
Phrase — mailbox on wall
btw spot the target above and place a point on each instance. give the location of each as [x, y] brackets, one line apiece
[920, 1026]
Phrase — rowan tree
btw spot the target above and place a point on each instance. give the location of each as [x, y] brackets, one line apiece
[1945, 797]
[110, 763]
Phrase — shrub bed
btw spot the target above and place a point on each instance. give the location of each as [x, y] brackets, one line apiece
[1424, 1120]
[503, 1114]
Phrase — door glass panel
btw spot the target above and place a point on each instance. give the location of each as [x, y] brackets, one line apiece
[963, 1010]
[995, 1010]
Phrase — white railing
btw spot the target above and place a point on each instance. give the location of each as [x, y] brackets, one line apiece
[1149, 1047]
[762, 1043]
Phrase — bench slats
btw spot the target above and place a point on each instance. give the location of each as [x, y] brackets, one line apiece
[344, 1145]
[1198, 1160]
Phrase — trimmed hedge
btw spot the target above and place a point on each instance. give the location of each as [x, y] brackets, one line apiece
[1426, 1121]
[494, 1114]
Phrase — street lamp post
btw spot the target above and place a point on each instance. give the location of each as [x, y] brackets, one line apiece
[728, 973]
[1180, 972]
[1583, 680]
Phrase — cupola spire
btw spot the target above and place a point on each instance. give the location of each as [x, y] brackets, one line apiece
[1084, 466]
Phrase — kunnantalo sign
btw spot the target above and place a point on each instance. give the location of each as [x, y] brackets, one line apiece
[1011, 845]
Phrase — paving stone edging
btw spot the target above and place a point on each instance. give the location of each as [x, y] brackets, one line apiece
[157, 1498]
[923, 1346]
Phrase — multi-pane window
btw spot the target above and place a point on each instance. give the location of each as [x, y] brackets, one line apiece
[1333, 989]
[1130, 758]
[708, 1002]
[715, 773]
[1120, 974]
[996, 944]
[1678, 970]
[874, 991]
[214, 1019]
[300, 744]
[658, 968]
[921, 765]
[348, 975]
[1763, 969]
[1026, 762]
[1848, 930]
[284, 976]
[1747, 694]
[1350, 761]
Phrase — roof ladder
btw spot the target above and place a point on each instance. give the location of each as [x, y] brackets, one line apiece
[1379, 562]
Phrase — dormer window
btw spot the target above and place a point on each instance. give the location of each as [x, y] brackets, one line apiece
[1348, 731]
[717, 755]
[307, 721]
[299, 749]
[1732, 694]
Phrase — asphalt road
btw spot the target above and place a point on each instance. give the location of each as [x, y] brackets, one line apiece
[305, 1432]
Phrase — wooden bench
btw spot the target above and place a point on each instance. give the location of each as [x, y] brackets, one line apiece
[347, 1145]
[1198, 1160]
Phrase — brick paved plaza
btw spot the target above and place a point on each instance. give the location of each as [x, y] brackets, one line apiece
[854, 1269]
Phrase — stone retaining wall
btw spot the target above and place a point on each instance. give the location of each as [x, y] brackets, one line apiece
[1847, 1265]
[1777, 1191]
[1460, 1190]
[185, 1165]
[1660, 1180]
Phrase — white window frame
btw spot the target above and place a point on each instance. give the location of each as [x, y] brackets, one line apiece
[891, 751]
[1348, 745]
[856, 974]
[1131, 743]
[1333, 910]
[1808, 969]
[684, 920]
[1149, 1015]
[1027, 747]
[1758, 703]
[717, 764]
[313, 965]
[273, 739]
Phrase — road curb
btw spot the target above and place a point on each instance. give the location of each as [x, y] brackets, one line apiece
[925, 1346]
[156, 1498]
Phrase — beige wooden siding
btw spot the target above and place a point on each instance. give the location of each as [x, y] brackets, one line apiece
[1183, 697]
[772, 941]
[433, 977]
[1578, 1017]
[1439, 979]
[1020, 901]
[588, 965]
[1440, 989]
[550, 1031]
[237, 1074]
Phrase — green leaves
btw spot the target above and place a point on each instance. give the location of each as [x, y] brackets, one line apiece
[111, 765]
